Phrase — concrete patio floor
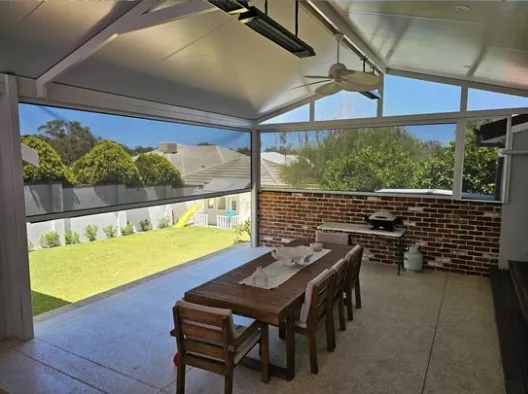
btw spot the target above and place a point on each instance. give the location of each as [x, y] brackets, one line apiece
[428, 333]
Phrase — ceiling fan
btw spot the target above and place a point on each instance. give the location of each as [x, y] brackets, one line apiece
[341, 78]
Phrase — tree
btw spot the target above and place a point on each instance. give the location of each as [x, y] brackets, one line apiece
[389, 157]
[436, 171]
[245, 151]
[157, 170]
[70, 140]
[357, 159]
[203, 144]
[371, 168]
[285, 150]
[106, 163]
[51, 168]
[140, 149]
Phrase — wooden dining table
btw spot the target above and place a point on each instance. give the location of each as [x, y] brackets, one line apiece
[275, 306]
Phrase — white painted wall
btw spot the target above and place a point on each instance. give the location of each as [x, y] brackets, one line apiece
[514, 226]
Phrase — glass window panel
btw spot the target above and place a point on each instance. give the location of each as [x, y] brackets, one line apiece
[412, 159]
[482, 99]
[221, 204]
[483, 163]
[94, 160]
[408, 96]
[345, 105]
[210, 203]
[233, 205]
[300, 114]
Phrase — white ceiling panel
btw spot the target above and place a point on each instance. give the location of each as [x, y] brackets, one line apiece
[212, 62]
[34, 36]
[487, 41]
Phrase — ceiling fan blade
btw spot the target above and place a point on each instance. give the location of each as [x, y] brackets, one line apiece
[316, 76]
[354, 86]
[373, 95]
[329, 89]
[360, 77]
[351, 86]
[311, 83]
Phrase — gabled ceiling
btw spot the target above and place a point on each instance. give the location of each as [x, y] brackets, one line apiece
[484, 41]
[206, 61]
[211, 62]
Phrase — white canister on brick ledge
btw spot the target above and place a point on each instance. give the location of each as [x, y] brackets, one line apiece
[413, 259]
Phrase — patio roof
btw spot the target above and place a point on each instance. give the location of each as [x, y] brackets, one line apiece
[184, 52]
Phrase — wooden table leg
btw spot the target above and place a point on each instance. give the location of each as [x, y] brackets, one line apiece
[290, 347]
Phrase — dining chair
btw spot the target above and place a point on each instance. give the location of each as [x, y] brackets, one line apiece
[208, 339]
[340, 268]
[354, 258]
[331, 237]
[317, 307]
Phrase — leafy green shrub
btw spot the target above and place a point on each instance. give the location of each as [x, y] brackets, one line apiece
[91, 232]
[72, 237]
[110, 231]
[164, 222]
[31, 246]
[241, 229]
[108, 162]
[156, 170]
[51, 167]
[128, 229]
[50, 239]
[145, 225]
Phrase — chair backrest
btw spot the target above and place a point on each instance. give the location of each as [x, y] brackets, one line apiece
[203, 334]
[318, 297]
[332, 237]
[354, 257]
[341, 270]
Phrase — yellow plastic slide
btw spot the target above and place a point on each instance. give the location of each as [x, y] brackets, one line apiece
[182, 221]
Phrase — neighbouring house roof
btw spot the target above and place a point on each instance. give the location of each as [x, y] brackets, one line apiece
[219, 184]
[191, 159]
[202, 165]
[279, 158]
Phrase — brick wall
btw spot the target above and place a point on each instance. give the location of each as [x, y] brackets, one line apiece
[460, 236]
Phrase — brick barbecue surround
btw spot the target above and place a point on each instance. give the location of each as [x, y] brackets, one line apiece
[459, 236]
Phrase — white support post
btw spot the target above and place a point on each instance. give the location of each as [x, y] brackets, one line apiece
[459, 159]
[16, 318]
[255, 186]
[505, 187]
[463, 100]
[380, 101]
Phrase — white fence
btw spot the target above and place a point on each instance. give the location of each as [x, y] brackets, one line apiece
[201, 220]
[227, 222]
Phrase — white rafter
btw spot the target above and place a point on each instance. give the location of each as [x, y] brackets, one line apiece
[340, 24]
[136, 18]
[168, 14]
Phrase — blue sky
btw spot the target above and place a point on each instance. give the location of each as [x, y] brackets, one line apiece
[131, 131]
[403, 96]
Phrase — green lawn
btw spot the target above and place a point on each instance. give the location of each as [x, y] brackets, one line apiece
[67, 274]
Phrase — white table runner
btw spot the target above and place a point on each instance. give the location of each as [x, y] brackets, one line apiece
[278, 272]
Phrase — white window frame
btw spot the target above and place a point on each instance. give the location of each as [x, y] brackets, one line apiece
[458, 117]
